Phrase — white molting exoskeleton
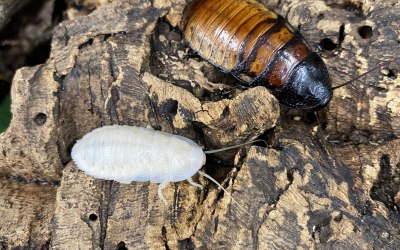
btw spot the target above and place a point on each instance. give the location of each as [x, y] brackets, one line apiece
[128, 153]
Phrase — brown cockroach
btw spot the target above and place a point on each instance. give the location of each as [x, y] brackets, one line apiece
[258, 47]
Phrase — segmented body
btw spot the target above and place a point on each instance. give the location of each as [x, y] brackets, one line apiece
[257, 46]
[128, 153]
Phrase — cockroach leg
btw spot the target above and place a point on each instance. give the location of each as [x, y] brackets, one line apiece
[190, 180]
[160, 194]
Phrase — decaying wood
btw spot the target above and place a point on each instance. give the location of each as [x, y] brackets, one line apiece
[8, 8]
[333, 186]
[26, 211]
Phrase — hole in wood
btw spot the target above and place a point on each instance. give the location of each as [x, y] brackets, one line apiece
[327, 44]
[341, 33]
[93, 217]
[40, 119]
[365, 31]
[121, 246]
[391, 74]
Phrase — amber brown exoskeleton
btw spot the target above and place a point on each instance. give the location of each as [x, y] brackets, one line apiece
[258, 47]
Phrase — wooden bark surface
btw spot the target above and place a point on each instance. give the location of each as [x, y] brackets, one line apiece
[334, 186]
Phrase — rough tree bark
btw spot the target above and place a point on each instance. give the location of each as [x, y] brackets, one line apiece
[330, 186]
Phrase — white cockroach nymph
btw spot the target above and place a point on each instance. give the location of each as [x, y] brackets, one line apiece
[128, 153]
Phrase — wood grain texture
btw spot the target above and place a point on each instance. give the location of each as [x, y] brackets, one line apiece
[26, 211]
[334, 186]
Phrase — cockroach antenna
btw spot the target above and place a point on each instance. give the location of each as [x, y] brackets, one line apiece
[216, 182]
[354, 79]
[363, 74]
[225, 191]
[235, 146]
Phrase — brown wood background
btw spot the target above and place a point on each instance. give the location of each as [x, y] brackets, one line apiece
[333, 186]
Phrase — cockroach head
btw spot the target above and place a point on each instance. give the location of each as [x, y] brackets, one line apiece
[308, 86]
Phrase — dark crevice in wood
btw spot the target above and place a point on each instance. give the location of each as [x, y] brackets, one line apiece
[164, 237]
[387, 184]
[105, 203]
[23, 181]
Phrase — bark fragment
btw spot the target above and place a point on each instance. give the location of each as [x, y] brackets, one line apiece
[126, 63]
